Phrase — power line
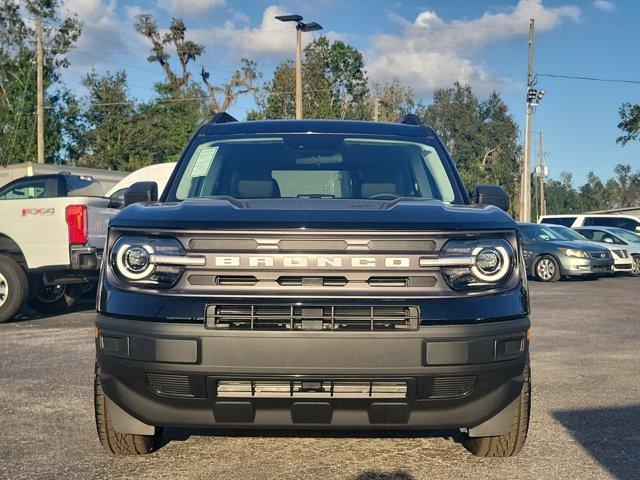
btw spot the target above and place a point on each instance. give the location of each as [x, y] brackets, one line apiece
[591, 79]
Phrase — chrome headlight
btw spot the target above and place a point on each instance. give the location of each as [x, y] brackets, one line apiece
[573, 252]
[477, 263]
[147, 260]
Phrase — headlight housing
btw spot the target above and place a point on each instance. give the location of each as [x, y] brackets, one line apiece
[135, 260]
[481, 263]
[573, 252]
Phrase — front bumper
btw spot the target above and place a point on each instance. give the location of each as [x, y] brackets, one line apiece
[586, 266]
[169, 374]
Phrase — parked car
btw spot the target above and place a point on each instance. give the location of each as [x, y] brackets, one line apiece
[627, 222]
[616, 237]
[313, 274]
[622, 261]
[548, 256]
[52, 235]
[158, 173]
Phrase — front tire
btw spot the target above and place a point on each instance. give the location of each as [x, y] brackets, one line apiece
[113, 441]
[635, 266]
[547, 269]
[13, 287]
[510, 443]
[55, 298]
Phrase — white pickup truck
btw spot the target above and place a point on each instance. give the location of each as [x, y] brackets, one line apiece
[52, 233]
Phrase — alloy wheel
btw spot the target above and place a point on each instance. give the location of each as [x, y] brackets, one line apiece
[4, 289]
[51, 293]
[635, 267]
[545, 269]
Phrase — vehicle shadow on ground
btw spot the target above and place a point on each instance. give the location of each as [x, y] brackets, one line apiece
[181, 434]
[610, 435]
[26, 314]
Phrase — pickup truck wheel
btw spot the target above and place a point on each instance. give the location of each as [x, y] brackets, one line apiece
[13, 287]
[510, 443]
[113, 441]
[547, 269]
[55, 298]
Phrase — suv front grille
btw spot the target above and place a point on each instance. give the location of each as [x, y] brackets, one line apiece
[312, 388]
[320, 318]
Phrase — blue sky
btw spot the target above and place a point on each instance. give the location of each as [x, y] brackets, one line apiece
[428, 44]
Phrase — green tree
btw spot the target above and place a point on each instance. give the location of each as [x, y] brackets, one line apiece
[110, 115]
[561, 196]
[221, 96]
[334, 85]
[481, 135]
[18, 79]
[394, 99]
[629, 123]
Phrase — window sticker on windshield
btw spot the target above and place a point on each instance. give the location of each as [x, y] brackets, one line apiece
[203, 162]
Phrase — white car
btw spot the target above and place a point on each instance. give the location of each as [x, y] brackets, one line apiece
[617, 238]
[622, 260]
[627, 222]
[159, 173]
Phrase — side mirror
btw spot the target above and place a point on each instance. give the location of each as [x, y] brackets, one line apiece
[491, 195]
[607, 240]
[141, 192]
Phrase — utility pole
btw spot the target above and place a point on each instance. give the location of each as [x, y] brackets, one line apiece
[40, 89]
[542, 172]
[300, 27]
[298, 74]
[525, 190]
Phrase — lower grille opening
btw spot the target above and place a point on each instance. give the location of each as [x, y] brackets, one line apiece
[312, 281]
[322, 318]
[312, 389]
[388, 281]
[453, 386]
[169, 384]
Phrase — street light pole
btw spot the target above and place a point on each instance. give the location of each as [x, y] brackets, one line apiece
[525, 190]
[300, 27]
[40, 90]
[298, 74]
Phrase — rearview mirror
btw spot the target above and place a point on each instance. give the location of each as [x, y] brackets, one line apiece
[491, 195]
[607, 240]
[141, 192]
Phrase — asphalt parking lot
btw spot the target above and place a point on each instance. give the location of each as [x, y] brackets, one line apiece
[585, 421]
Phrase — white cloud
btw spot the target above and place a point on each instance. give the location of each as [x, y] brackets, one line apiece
[189, 7]
[604, 5]
[432, 53]
[271, 38]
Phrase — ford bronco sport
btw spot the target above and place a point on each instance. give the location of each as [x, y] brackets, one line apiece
[313, 274]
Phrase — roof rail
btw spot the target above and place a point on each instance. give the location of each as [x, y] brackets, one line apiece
[411, 119]
[222, 117]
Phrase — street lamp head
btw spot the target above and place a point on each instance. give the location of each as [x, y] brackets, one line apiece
[300, 25]
[289, 18]
[309, 27]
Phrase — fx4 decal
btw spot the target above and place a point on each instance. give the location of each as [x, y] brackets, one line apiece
[38, 211]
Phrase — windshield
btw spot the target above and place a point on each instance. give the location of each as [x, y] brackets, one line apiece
[315, 166]
[568, 233]
[625, 234]
[537, 233]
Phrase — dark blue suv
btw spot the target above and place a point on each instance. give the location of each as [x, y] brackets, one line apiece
[313, 274]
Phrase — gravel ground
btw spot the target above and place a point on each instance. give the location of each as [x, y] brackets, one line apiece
[585, 421]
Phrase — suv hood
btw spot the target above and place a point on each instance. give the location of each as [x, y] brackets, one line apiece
[226, 212]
